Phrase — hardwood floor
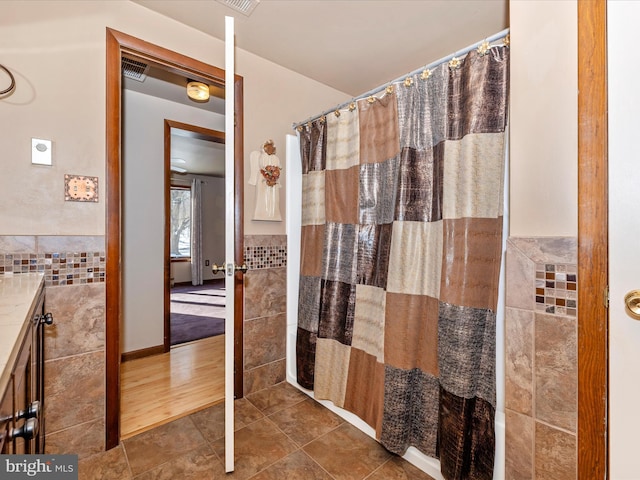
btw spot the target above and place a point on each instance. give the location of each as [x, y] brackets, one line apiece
[158, 389]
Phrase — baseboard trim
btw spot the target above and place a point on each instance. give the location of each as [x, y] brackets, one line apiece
[209, 281]
[143, 352]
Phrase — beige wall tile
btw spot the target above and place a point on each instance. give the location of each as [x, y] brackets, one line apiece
[264, 340]
[83, 439]
[264, 376]
[17, 244]
[520, 274]
[555, 454]
[556, 370]
[79, 319]
[264, 240]
[519, 446]
[71, 243]
[74, 390]
[519, 356]
[265, 292]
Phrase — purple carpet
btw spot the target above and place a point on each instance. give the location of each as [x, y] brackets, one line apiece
[197, 312]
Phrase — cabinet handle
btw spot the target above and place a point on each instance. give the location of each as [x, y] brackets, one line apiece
[27, 431]
[47, 318]
[32, 411]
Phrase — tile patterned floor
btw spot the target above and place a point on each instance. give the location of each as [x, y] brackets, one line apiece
[272, 443]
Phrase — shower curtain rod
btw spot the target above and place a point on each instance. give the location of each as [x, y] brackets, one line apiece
[378, 89]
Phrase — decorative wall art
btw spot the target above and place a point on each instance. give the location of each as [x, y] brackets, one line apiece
[265, 172]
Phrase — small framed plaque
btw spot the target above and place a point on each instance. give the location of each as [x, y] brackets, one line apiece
[78, 188]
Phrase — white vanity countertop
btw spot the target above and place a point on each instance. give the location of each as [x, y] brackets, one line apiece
[18, 294]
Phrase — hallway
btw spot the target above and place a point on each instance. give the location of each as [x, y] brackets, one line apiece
[280, 434]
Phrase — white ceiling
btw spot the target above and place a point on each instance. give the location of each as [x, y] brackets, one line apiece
[351, 45]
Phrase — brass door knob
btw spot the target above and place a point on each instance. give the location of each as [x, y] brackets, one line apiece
[632, 302]
[215, 268]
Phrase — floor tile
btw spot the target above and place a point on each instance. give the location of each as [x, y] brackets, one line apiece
[162, 444]
[109, 465]
[276, 398]
[347, 453]
[210, 421]
[281, 434]
[257, 446]
[397, 468]
[201, 464]
[306, 421]
[297, 466]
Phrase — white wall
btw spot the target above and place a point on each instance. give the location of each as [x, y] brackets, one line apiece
[143, 213]
[56, 50]
[543, 118]
[624, 231]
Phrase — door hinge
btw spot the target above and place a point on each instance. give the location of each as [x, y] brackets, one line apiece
[606, 296]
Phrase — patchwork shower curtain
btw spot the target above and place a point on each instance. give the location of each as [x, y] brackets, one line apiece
[400, 260]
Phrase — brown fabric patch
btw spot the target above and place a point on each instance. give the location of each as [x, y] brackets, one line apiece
[311, 241]
[313, 147]
[379, 137]
[471, 262]
[305, 357]
[411, 332]
[341, 195]
[478, 94]
[365, 388]
[467, 439]
[337, 311]
[420, 186]
[374, 245]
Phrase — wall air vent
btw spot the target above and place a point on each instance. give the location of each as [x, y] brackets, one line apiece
[245, 7]
[134, 70]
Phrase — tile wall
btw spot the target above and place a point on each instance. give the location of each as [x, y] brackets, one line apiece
[265, 322]
[74, 355]
[62, 260]
[541, 358]
[74, 268]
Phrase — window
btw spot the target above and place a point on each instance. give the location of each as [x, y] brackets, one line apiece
[180, 222]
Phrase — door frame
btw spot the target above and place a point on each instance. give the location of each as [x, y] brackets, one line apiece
[593, 242]
[196, 131]
[117, 44]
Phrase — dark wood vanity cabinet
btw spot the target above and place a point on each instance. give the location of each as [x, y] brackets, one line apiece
[22, 423]
[6, 420]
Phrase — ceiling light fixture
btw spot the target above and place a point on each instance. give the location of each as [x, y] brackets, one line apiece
[198, 91]
[178, 169]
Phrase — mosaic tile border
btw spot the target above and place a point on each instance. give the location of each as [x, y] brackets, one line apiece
[557, 289]
[259, 257]
[59, 268]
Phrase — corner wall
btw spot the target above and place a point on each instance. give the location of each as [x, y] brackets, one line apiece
[542, 311]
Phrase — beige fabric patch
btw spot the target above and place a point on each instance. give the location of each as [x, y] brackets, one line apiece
[415, 260]
[331, 379]
[343, 140]
[474, 176]
[313, 207]
[368, 322]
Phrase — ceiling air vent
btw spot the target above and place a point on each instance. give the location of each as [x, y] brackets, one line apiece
[245, 7]
[134, 70]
